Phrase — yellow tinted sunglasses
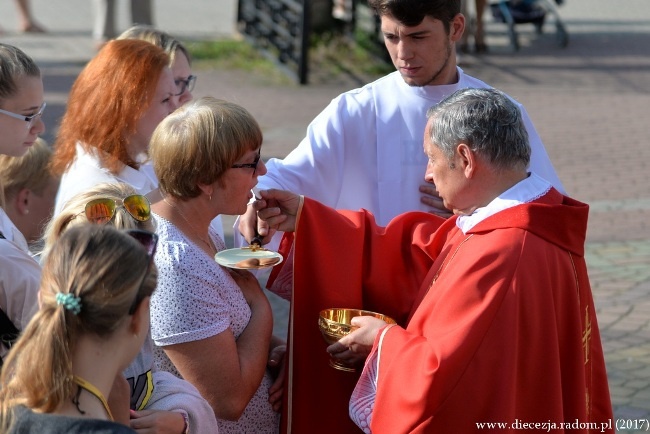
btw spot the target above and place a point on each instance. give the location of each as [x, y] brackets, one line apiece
[102, 211]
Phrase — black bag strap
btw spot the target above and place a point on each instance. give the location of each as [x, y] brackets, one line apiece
[8, 331]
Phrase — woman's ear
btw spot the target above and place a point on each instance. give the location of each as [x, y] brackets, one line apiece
[208, 190]
[21, 201]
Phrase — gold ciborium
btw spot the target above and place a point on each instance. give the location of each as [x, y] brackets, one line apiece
[336, 323]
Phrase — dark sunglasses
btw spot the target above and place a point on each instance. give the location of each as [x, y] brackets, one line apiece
[149, 241]
[102, 211]
[183, 85]
[252, 165]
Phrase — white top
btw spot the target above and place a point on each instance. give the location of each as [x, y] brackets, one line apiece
[86, 171]
[196, 299]
[365, 149]
[20, 276]
[175, 394]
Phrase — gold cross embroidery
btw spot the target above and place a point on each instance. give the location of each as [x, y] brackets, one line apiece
[586, 335]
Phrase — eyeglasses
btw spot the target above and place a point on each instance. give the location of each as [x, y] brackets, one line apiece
[252, 165]
[183, 85]
[102, 211]
[149, 241]
[29, 119]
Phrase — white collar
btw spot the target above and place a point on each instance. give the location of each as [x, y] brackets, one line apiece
[143, 181]
[527, 190]
[11, 232]
[435, 92]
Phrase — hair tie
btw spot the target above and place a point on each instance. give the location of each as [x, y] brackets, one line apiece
[69, 301]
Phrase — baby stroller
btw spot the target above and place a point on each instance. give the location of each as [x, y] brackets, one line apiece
[513, 12]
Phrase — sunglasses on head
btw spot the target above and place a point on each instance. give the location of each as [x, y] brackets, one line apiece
[102, 211]
[149, 241]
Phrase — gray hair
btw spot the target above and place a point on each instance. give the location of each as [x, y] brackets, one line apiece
[14, 63]
[487, 120]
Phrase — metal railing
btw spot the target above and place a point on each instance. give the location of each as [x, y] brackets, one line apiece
[281, 29]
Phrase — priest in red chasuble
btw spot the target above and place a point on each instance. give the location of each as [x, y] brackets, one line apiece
[496, 326]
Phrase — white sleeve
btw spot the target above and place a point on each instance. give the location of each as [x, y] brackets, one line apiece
[315, 166]
[186, 305]
[540, 163]
[20, 277]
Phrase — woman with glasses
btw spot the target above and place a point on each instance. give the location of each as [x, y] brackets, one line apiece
[157, 399]
[180, 60]
[94, 317]
[21, 101]
[21, 106]
[212, 326]
[181, 65]
[114, 106]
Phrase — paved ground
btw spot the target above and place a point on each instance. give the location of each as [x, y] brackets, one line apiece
[589, 102]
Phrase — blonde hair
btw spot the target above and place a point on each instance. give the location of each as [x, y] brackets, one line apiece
[159, 38]
[30, 171]
[102, 266]
[72, 213]
[14, 63]
[198, 142]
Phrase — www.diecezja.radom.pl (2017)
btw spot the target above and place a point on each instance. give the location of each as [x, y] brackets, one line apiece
[642, 425]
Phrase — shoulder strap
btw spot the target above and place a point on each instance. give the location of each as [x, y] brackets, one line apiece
[8, 331]
[6, 327]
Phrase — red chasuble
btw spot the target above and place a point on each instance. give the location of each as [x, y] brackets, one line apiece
[496, 326]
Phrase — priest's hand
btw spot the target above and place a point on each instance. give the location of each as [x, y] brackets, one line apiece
[431, 198]
[249, 223]
[278, 208]
[356, 346]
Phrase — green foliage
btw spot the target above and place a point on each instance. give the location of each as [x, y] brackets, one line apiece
[230, 54]
[335, 54]
[331, 56]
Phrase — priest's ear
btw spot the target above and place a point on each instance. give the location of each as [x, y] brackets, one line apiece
[466, 160]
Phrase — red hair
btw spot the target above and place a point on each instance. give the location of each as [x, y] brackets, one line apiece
[108, 98]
